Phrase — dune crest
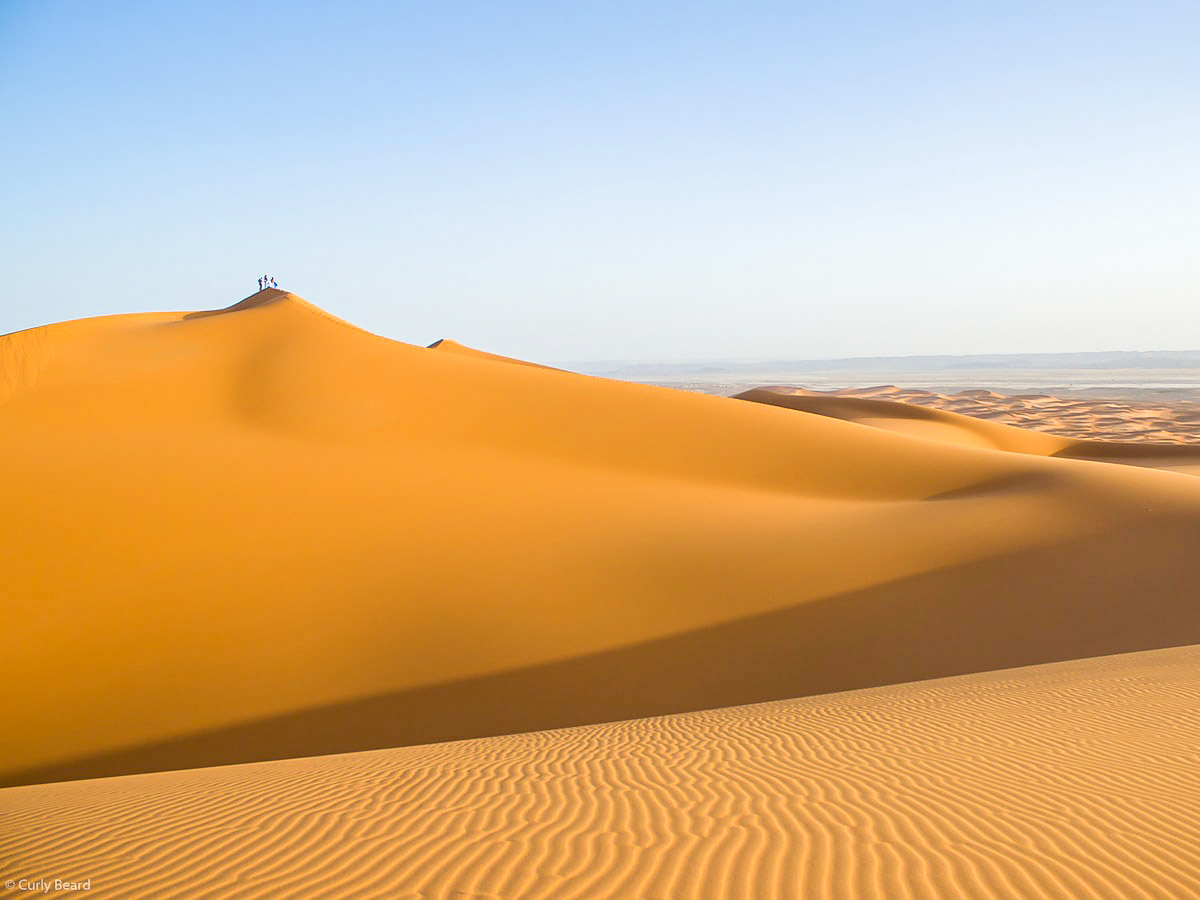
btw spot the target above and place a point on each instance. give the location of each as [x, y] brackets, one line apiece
[265, 297]
[264, 533]
[445, 345]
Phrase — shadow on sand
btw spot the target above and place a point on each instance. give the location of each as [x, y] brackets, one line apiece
[1090, 597]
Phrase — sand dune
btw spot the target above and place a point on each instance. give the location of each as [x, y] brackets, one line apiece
[1068, 780]
[261, 532]
[448, 346]
[927, 415]
[1077, 418]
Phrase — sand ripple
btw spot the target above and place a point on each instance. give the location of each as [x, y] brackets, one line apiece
[1075, 779]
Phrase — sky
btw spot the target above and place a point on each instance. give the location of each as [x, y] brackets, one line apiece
[612, 180]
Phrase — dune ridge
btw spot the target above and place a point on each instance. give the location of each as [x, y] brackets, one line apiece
[1079, 418]
[445, 345]
[1074, 779]
[288, 536]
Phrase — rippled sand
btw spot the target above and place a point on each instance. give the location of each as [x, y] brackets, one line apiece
[1077, 779]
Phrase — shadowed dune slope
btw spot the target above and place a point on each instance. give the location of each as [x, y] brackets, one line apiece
[262, 532]
[1068, 780]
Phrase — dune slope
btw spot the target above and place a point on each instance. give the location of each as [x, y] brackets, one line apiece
[1068, 780]
[261, 532]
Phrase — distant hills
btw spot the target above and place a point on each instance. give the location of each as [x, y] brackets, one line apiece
[1116, 359]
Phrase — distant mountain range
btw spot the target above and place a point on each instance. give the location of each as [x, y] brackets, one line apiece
[1116, 359]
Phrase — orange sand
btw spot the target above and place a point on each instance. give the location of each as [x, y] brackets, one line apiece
[979, 420]
[263, 533]
[1069, 780]
[1082, 418]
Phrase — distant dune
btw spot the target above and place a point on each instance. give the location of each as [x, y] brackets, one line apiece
[262, 532]
[1085, 420]
[980, 416]
[1069, 780]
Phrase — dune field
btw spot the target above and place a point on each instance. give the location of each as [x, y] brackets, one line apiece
[1087, 418]
[983, 420]
[261, 533]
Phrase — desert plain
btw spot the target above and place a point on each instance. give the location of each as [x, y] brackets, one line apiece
[297, 610]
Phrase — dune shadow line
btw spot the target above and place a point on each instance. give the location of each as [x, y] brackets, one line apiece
[1119, 592]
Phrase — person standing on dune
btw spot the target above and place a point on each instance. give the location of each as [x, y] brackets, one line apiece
[273, 284]
[260, 287]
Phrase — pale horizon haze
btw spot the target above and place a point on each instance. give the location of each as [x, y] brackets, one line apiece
[610, 181]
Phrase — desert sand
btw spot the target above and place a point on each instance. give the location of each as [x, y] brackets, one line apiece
[1076, 779]
[1082, 418]
[263, 534]
[1162, 438]
[260, 533]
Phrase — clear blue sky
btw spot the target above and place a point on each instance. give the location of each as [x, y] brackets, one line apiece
[586, 180]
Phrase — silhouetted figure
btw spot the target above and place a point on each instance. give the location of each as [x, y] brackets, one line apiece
[273, 284]
[260, 284]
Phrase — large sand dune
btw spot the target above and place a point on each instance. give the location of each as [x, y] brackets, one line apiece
[261, 533]
[1070, 780]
